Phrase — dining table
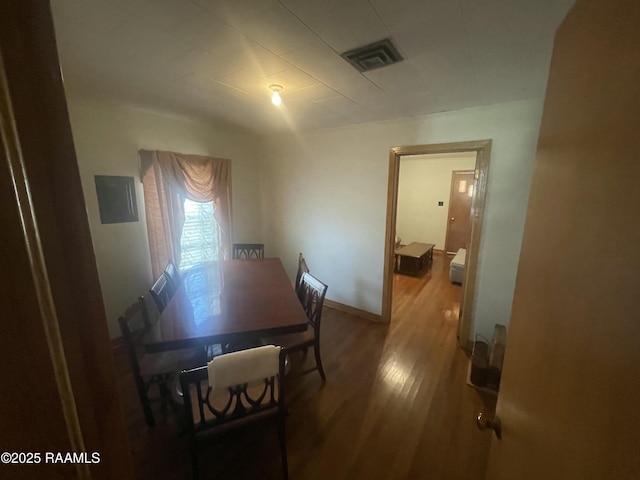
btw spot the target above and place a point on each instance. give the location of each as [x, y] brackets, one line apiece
[228, 301]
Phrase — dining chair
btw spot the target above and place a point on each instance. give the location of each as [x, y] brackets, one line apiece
[311, 293]
[235, 390]
[161, 292]
[302, 268]
[248, 250]
[173, 277]
[151, 369]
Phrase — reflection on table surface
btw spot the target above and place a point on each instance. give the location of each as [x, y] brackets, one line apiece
[203, 288]
[230, 300]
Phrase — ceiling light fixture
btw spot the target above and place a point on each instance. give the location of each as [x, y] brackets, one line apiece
[275, 96]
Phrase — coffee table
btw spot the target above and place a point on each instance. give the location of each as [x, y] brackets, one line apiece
[412, 259]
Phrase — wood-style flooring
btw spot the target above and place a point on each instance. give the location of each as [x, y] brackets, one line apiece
[395, 404]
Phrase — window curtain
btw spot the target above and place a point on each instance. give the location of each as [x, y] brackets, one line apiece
[168, 178]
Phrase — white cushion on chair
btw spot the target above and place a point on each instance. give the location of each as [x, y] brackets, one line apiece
[244, 366]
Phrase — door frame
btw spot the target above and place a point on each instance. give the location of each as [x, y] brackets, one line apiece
[483, 152]
[453, 174]
[55, 329]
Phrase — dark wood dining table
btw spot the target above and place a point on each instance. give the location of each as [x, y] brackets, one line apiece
[226, 302]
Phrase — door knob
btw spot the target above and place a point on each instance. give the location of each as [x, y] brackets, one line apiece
[453, 218]
[485, 422]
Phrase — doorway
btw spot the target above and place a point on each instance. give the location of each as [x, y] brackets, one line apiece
[482, 149]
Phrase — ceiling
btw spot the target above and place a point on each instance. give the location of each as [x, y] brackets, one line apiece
[214, 59]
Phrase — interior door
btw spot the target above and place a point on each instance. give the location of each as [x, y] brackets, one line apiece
[459, 220]
[570, 397]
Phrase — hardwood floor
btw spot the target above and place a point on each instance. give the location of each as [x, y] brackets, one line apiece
[395, 404]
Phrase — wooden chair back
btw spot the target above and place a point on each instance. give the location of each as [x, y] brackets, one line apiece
[156, 368]
[134, 323]
[248, 250]
[234, 390]
[173, 277]
[161, 292]
[302, 268]
[311, 293]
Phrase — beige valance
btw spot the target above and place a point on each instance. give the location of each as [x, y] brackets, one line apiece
[168, 178]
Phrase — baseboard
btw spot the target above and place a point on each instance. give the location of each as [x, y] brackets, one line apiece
[341, 307]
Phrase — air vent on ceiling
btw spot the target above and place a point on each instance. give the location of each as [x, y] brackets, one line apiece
[375, 55]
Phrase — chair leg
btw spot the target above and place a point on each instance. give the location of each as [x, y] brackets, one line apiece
[316, 351]
[282, 440]
[144, 401]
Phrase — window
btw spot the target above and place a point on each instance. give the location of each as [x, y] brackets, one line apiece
[200, 238]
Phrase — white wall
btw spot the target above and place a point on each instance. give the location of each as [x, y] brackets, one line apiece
[325, 194]
[424, 181]
[107, 140]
